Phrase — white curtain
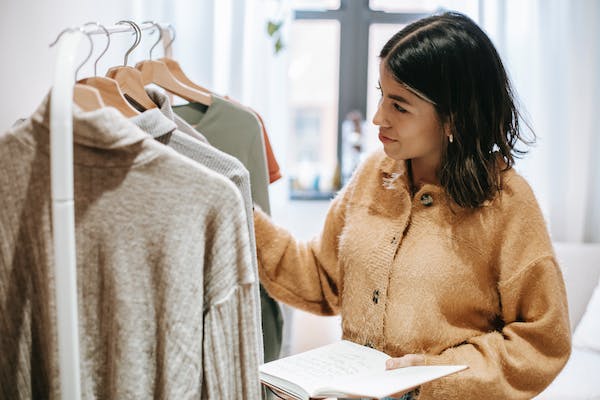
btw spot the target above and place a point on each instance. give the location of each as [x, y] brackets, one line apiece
[223, 45]
[551, 49]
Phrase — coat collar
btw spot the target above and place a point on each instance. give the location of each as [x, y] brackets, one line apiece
[104, 128]
[390, 188]
[103, 137]
[154, 122]
[392, 194]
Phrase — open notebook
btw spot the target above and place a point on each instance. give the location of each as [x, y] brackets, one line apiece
[346, 369]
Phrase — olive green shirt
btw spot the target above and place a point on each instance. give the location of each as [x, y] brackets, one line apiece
[236, 131]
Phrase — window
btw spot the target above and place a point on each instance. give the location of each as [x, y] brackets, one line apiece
[316, 4]
[314, 79]
[471, 8]
[334, 72]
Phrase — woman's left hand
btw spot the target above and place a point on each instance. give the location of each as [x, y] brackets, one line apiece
[408, 360]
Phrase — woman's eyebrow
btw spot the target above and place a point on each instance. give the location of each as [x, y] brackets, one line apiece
[399, 98]
[402, 99]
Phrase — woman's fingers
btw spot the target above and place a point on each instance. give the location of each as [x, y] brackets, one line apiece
[408, 360]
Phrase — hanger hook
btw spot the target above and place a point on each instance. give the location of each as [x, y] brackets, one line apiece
[138, 34]
[171, 28]
[62, 33]
[89, 37]
[160, 35]
[105, 48]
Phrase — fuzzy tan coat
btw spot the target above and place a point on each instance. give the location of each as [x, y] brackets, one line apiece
[420, 275]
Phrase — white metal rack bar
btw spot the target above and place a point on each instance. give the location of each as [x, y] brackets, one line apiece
[63, 213]
[63, 204]
[123, 28]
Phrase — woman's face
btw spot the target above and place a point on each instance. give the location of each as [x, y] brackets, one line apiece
[409, 126]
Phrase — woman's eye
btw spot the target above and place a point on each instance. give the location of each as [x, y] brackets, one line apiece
[399, 108]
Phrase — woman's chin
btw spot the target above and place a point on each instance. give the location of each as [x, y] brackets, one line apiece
[394, 154]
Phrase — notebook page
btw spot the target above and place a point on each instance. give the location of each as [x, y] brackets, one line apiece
[385, 383]
[316, 368]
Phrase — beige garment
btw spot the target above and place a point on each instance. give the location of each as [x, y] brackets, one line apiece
[248, 347]
[154, 232]
[411, 275]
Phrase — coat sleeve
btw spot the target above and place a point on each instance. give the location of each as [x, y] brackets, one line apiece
[519, 361]
[231, 346]
[305, 275]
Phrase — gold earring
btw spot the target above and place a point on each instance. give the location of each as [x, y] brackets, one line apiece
[451, 138]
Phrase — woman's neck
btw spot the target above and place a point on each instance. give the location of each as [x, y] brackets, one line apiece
[420, 173]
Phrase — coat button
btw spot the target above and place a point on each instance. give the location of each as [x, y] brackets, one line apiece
[427, 199]
[376, 296]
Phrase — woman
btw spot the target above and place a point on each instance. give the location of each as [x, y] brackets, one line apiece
[436, 252]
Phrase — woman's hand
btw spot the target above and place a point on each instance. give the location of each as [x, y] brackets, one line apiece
[408, 360]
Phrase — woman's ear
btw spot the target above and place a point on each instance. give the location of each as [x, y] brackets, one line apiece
[448, 131]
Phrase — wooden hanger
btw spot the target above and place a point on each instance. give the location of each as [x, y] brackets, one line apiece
[87, 97]
[129, 78]
[157, 73]
[111, 94]
[176, 69]
[130, 81]
[108, 89]
[178, 73]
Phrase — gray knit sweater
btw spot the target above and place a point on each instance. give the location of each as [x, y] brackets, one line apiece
[236, 131]
[162, 246]
[166, 127]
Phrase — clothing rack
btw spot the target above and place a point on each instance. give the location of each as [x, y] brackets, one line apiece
[63, 204]
[125, 28]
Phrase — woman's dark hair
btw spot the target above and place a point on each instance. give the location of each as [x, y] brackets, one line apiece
[452, 62]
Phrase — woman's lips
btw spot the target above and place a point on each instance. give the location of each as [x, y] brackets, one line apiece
[385, 139]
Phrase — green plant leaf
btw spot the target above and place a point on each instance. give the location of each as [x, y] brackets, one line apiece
[278, 45]
[273, 27]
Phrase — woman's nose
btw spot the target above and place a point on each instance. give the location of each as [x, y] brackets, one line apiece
[379, 118]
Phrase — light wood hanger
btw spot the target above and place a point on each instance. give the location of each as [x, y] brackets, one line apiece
[111, 94]
[178, 73]
[87, 97]
[131, 83]
[176, 69]
[129, 79]
[108, 89]
[157, 73]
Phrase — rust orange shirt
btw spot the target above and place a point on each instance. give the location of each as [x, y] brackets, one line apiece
[272, 164]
